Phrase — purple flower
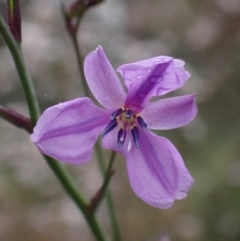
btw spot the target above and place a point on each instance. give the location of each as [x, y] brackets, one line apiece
[68, 131]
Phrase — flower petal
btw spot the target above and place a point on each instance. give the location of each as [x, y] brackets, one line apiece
[157, 172]
[68, 131]
[103, 80]
[153, 77]
[170, 113]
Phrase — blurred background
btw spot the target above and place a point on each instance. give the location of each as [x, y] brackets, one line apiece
[206, 34]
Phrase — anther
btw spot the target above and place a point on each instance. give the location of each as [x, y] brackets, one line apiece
[135, 136]
[121, 137]
[141, 122]
[109, 127]
[116, 113]
[129, 113]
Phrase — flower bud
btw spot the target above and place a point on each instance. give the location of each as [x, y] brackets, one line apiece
[14, 19]
[75, 11]
[80, 6]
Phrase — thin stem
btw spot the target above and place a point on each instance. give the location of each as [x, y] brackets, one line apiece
[98, 149]
[110, 164]
[33, 106]
[23, 73]
[117, 235]
[71, 189]
[77, 25]
[101, 193]
[80, 64]
[109, 199]
[16, 118]
[98, 197]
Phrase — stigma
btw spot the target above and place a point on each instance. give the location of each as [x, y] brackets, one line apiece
[128, 122]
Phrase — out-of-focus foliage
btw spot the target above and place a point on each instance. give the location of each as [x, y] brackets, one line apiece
[206, 34]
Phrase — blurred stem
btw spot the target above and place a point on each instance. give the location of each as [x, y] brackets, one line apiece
[98, 149]
[99, 196]
[80, 65]
[77, 24]
[79, 57]
[33, 106]
[110, 164]
[109, 199]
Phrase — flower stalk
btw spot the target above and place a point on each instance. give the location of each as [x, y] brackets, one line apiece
[34, 111]
[98, 197]
[73, 192]
[72, 17]
[98, 150]
[80, 64]
[109, 199]
[76, 11]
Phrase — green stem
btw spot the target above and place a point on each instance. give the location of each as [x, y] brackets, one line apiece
[110, 164]
[22, 71]
[72, 191]
[98, 148]
[109, 199]
[95, 202]
[33, 106]
[117, 235]
[80, 65]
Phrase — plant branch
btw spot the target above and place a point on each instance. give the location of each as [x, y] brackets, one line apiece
[72, 191]
[98, 197]
[98, 149]
[109, 199]
[102, 191]
[80, 63]
[16, 118]
[33, 107]
[23, 73]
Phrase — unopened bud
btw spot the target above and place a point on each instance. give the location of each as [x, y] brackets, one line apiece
[14, 19]
[80, 6]
[74, 12]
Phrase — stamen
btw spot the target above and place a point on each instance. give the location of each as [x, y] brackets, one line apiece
[135, 136]
[116, 113]
[141, 122]
[121, 137]
[109, 127]
[129, 113]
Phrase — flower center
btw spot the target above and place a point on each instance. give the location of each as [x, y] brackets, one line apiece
[127, 120]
